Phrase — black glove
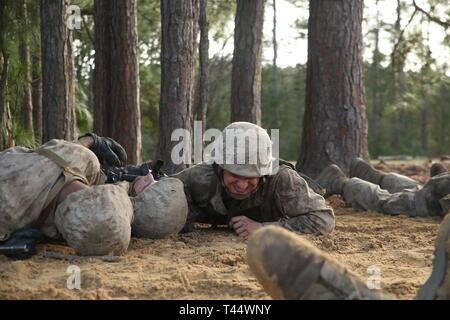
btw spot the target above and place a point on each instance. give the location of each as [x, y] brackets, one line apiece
[21, 244]
[108, 151]
[156, 167]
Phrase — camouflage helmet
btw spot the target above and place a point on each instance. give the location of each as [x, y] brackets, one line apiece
[244, 149]
[160, 210]
[97, 220]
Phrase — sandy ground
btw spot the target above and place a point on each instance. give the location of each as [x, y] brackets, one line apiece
[210, 263]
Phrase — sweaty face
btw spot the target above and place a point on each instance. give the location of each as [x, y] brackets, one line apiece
[238, 186]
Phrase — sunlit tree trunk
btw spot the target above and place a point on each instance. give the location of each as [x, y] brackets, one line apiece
[178, 20]
[57, 72]
[246, 71]
[335, 122]
[116, 75]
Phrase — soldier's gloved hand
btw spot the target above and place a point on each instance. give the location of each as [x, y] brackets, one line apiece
[108, 151]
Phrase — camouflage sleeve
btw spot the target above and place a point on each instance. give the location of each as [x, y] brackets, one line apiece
[302, 209]
[199, 184]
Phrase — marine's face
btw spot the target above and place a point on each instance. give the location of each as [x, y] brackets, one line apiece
[238, 185]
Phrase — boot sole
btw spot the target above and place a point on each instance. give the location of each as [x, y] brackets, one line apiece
[436, 279]
[279, 240]
[256, 244]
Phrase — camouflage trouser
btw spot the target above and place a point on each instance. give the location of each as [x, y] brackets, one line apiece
[366, 196]
[394, 182]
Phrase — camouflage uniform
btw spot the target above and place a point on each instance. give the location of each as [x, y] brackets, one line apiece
[394, 182]
[413, 201]
[283, 199]
[27, 178]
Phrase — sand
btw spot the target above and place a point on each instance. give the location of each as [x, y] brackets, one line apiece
[211, 264]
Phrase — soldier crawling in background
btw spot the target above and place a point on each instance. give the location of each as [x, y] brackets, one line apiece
[369, 189]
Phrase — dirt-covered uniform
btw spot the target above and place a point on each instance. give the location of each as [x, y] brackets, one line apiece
[428, 200]
[283, 199]
[27, 178]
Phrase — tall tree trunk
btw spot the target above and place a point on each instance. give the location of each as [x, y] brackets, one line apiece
[202, 92]
[116, 75]
[57, 72]
[246, 71]
[36, 76]
[178, 19]
[335, 122]
[24, 54]
[6, 132]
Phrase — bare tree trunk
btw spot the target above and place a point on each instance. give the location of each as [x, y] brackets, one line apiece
[178, 19]
[202, 93]
[6, 132]
[24, 54]
[116, 75]
[335, 122]
[246, 71]
[36, 78]
[57, 72]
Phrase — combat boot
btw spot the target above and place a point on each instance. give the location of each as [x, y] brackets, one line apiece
[431, 199]
[360, 168]
[332, 179]
[437, 168]
[437, 287]
[290, 267]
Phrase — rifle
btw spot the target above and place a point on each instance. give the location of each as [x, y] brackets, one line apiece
[130, 173]
[21, 244]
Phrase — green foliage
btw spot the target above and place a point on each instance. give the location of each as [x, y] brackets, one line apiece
[218, 115]
[149, 101]
[219, 14]
[396, 98]
[283, 105]
[83, 114]
[24, 137]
